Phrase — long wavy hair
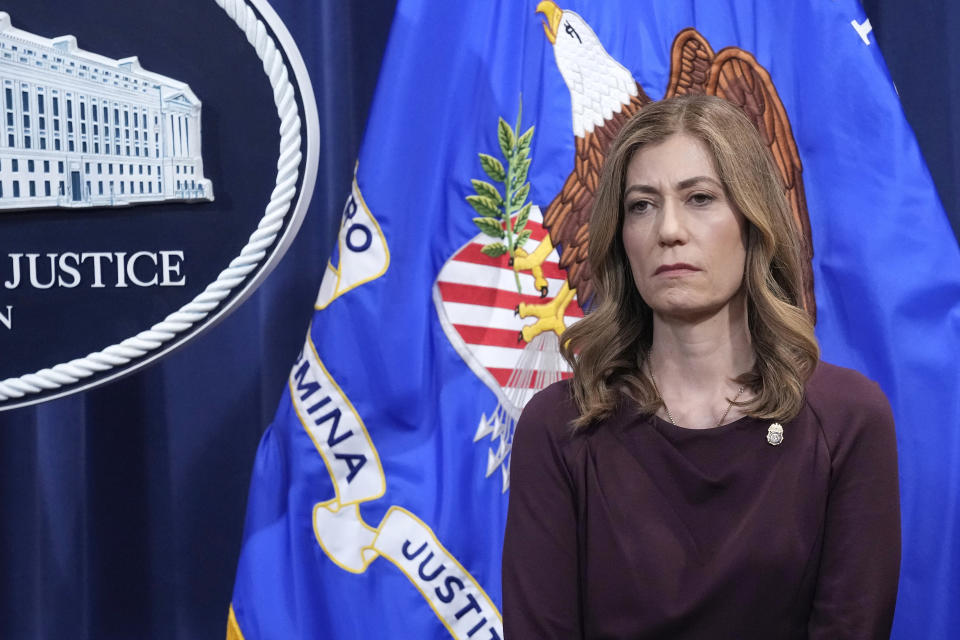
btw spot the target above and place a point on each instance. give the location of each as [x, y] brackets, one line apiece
[608, 347]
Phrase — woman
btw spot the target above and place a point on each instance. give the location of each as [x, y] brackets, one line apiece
[702, 475]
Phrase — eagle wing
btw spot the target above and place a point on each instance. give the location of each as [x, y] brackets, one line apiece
[690, 64]
[738, 77]
[567, 216]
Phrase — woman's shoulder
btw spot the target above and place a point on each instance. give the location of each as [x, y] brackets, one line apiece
[832, 387]
[847, 404]
[552, 407]
[543, 432]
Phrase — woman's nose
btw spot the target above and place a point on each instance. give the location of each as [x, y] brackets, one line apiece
[672, 228]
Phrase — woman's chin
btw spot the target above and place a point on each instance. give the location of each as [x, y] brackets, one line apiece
[687, 310]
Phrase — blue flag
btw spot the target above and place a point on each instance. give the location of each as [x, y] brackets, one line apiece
[379, 493]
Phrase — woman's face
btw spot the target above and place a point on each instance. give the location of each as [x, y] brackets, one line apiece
[686, 243]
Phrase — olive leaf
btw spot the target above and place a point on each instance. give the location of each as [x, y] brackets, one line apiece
[492, 167]
[489, 226]
[523, 236]
[484, 206]
[488, 190]
[506, 138]
[494, 249]
[519, 195]
[521, 222]
[520, 174]
[523, 144]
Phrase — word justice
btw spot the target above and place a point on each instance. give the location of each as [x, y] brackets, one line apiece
[96, 269]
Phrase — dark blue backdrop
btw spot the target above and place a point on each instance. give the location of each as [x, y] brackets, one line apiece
[122, 508]
[919, 43]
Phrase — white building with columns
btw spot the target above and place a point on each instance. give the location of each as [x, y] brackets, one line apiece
[78, 129]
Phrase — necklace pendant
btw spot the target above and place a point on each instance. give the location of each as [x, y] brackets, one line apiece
[775, 434]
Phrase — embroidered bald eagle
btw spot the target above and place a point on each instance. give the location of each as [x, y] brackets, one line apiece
[603, 96]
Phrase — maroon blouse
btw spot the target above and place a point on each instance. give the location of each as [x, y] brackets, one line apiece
[637, 529]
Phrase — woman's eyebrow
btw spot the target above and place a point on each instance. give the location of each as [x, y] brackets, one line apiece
[642, 188]
[689, 182]
[686, 183]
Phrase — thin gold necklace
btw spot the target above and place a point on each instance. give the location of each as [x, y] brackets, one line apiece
[667, 409]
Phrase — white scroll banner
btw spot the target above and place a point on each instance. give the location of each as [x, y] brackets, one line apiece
[341, 438]
[362, 253]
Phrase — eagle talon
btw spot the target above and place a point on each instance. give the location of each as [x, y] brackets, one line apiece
[516, 311]
[543, 292]
[520, 336]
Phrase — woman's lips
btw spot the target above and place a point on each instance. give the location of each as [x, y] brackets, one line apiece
[679, 268]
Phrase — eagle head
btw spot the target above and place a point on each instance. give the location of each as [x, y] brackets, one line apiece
[599, 85]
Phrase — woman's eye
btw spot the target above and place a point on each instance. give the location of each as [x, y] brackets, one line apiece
[701, 198]
[638, 206]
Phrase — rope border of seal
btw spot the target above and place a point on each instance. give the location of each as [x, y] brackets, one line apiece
[250, 256]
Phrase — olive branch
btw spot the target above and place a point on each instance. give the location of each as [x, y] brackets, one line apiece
[504, 216]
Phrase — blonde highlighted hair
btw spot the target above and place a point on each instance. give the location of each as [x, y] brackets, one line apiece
[607, 349]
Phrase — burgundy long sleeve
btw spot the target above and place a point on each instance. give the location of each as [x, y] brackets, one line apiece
[636, 528]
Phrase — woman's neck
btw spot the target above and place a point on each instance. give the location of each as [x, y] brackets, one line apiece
[695, 362]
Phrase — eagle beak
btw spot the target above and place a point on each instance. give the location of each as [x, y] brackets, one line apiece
[552, 14]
